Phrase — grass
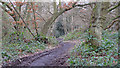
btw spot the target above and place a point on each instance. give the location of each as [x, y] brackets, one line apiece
[76, 34]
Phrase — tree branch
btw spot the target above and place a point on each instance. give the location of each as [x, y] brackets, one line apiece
[50, 12]
[41, 17]
[34, 19]
[7, 5]
[12, 15]
[8, 10]
[79, 5]
[22, 20]
[57, 14]
[111, 24]
[114, 7]
[116, 17]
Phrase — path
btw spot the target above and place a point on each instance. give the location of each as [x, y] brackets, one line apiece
[54, 57]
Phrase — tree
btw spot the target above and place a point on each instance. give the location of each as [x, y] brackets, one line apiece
[119, 26]
[14, 10]
[50, 21]
[97, 23]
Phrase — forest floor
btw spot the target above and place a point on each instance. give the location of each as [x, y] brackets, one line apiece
[53, 57]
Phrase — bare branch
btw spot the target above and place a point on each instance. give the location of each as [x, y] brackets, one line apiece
[41, 17]
[116, 17]
[79, 5]
[7, 5]
[8, 11]
[57, 14]
[22, 20]
[50, 12]
[111, 24]
[114, 7]
[34, 19]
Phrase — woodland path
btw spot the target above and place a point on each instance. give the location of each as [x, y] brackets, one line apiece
[54, 57]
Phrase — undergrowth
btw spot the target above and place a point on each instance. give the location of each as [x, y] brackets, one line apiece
[76, 34]
[104, 55]
[14, 47]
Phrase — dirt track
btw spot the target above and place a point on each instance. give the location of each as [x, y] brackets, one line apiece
[54, 57]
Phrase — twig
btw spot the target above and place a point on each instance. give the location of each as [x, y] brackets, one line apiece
[41, 17]
[50, 12]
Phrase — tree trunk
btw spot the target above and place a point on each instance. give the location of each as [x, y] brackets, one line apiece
[95, 29]
[119, 27]
[97, 22]
[55, 6]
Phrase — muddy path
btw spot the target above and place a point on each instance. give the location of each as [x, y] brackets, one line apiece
[54, 57]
